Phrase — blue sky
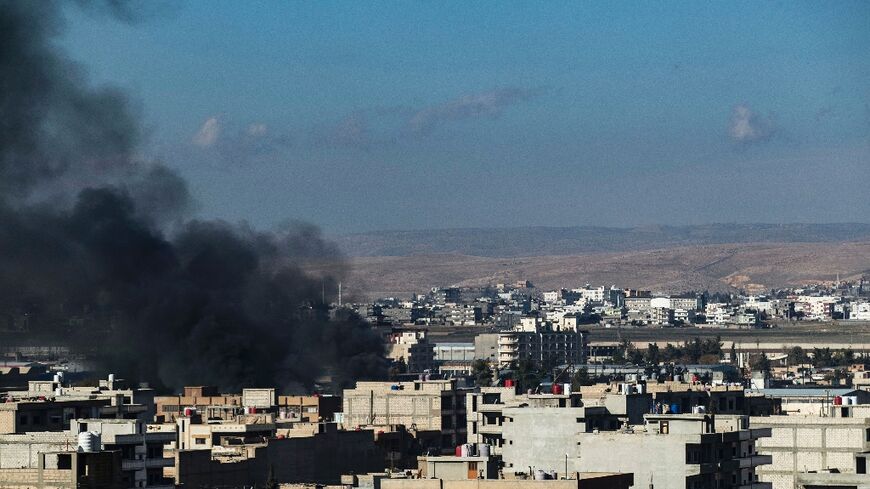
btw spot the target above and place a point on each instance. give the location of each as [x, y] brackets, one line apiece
[405, 115]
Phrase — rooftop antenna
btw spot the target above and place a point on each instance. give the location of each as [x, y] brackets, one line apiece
[339, 294]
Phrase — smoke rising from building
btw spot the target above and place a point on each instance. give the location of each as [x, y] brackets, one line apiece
[96, 251]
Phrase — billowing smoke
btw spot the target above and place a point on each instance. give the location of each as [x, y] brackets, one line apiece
[95, 249]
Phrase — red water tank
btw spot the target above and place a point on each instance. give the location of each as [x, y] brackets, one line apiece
[508, 382]
[458, 451]
[557, 389]
[838, 401]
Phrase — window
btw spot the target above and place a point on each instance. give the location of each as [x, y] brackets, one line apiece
[64, 461]
[200, 441]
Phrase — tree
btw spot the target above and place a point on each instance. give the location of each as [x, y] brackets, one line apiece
[797, 356]
[528, 376]
[652, 354]
[481, 373]
[580, 378]
[822, 357]
[760, 363]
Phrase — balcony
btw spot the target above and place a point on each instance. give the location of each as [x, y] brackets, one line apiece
[755, 461]
[489, 429]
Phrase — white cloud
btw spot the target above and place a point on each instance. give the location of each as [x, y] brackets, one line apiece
[208, 133]
[257, 129]
[746, 126]
[484, 104]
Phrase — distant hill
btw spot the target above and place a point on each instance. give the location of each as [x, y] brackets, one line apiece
[752, 267]
[557, 241]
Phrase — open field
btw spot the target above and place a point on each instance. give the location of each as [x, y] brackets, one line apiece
[752, 267]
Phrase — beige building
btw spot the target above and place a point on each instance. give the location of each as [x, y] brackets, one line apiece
[437, 405]
[414, 349]
[801, 444]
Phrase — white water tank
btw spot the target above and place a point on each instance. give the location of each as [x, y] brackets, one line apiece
[463, 450]
[540, 475]
[89, 442]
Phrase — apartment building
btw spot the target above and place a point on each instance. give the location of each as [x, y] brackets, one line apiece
[811, 443]
[485, 411]
[541, 344]
[413, 348]
[437, 405]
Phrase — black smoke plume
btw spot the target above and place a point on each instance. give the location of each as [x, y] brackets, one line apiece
[95, 250]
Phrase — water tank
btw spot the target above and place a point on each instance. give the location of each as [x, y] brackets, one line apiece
[566, 388]
[838, 400]
[188, 411]
[556, 389]
[483, 450]
[540, 475]
[56, 378]
[699, 410]
[675, 409]
[463, 450]
[641, 388]
[508, 382]
[111, 377]
[677, 378]
[89, 442]
[458, 451]
[394, 387]
[553, 475]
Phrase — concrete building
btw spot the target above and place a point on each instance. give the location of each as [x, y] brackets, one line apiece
[801, 443]
[446, 352]
[66, 469]
[437, 405]
[205, 400]
[486, 347]
[123, 401]
[414, 349]
[141, 449]
[545, 438]
[321, 458]
[485, 411]
[691, 451]
[45, 414]
[542, 346]
[814, 401]
[588, 480]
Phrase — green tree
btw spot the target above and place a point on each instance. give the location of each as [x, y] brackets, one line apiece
[528, 375]
[797, 356]
[580, 378]
[652, 354]
[760, 363]
[822, 357]
[481, 373]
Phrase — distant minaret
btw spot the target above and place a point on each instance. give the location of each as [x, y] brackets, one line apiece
[339, 294]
